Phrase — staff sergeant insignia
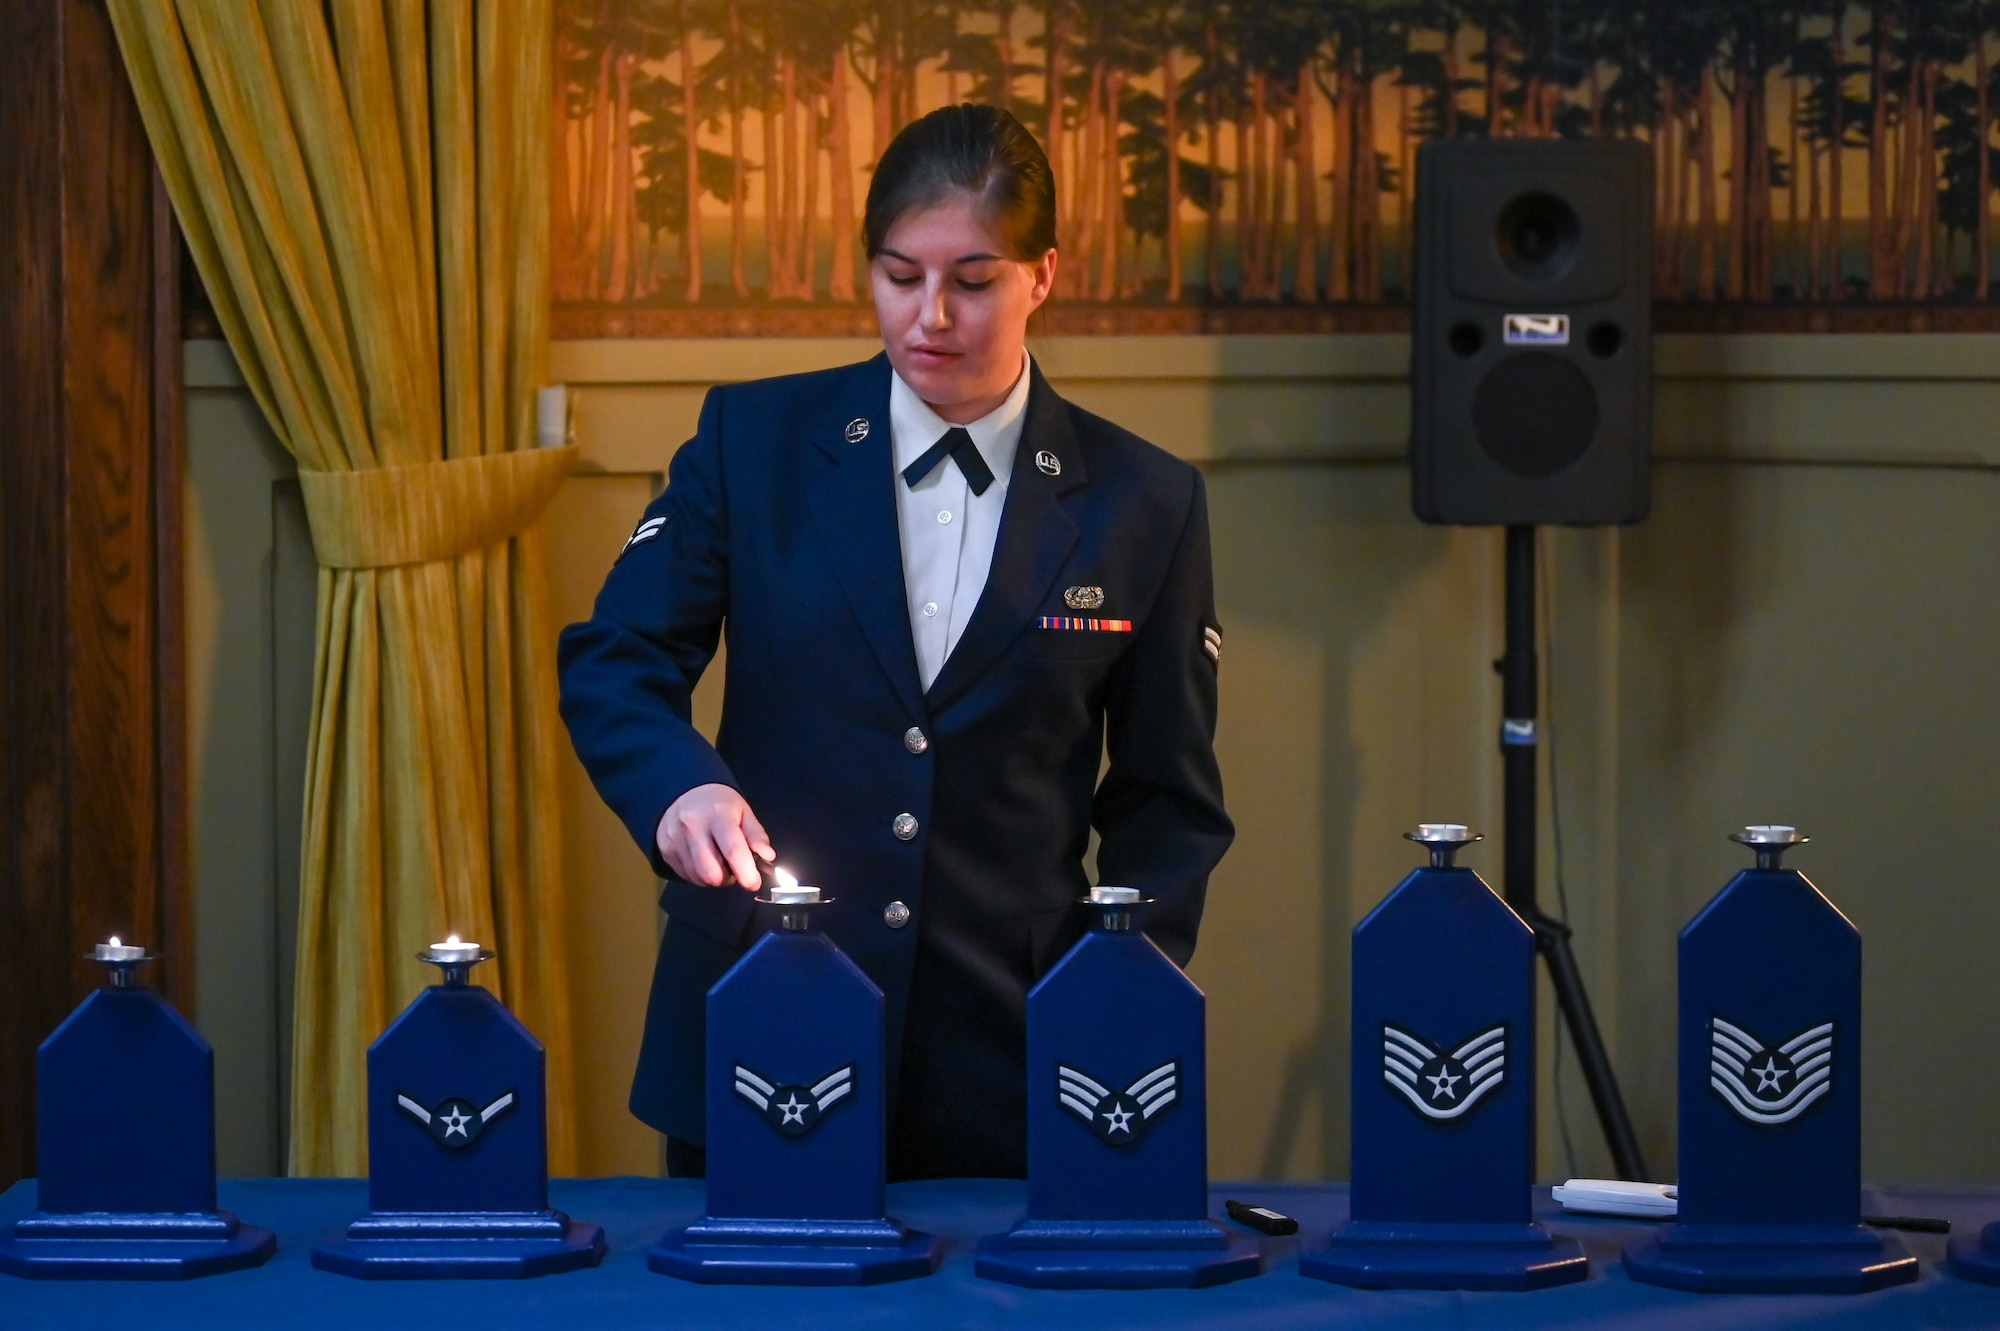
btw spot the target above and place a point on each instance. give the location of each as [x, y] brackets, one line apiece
[645, 532]
[1443, 1085]
[1119, 1118]
[455, 1121]
[794, 1110]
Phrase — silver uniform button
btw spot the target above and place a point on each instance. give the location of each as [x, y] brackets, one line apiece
[895, 915]
[905, 827]
[915, 740]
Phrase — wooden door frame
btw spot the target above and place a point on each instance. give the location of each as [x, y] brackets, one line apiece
[93, 745]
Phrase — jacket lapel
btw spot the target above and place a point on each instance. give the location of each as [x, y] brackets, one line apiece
[853, 501]
[1035, 538]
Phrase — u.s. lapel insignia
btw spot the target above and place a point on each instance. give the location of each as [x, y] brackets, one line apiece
[857, 429]
[1084, 598]
[1444, 1084]
[1119, 1118]
[1050, 464]
[1769, 1085]
[455, 1121]
[794, 1110]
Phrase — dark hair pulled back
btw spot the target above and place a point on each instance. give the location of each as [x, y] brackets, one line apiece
[979, 150]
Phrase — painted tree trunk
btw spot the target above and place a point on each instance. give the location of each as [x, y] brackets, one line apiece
[596, 207]
[786, 166]
[690, 122]
[1111, 191]
[1171, 240]
[1704, 128]
[1212, 223]
[805, 249]
[840, 285]
[739, 183]
[1982, 238]
[1835, 162]
[617, 283]
[1305, 280]
[1880, 285]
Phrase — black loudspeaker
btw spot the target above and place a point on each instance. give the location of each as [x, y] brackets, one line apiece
[1532, 348]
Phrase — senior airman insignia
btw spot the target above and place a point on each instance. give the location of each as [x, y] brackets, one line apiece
[455, 1121]
[794, 1110]
[857, 429]
[1769, 1085]
[1050, 464]
[1084, 598]
[1443, 1085]
[1119, 1118]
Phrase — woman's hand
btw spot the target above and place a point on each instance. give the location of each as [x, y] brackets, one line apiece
[707, 836]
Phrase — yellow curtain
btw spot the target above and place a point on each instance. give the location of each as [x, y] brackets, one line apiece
[364, 186]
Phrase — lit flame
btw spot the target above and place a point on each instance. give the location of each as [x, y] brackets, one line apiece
[115, 942]
[451, 940]
[786, 879]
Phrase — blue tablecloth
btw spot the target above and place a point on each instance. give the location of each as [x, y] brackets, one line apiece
[287, 1292]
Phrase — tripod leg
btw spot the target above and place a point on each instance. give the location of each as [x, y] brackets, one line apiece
[1519, 742]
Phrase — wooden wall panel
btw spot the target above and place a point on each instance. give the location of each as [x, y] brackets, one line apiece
[92, 775]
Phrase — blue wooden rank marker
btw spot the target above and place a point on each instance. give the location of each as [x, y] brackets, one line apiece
[1443, 1093]
[458, 1146]
[125, 1107]
[797, 1116]
[1770, 1097]
[1117, 1125]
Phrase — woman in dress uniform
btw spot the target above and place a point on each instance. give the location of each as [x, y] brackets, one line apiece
[953, 599]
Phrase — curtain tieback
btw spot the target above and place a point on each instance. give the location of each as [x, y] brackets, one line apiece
[386, 516]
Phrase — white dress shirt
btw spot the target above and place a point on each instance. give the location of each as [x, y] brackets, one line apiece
[947, 531]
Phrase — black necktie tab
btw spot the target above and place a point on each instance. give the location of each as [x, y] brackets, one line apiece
[957, 443]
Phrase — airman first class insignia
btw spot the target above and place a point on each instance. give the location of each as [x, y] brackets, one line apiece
[1084, 598]
[1439, 1085]
[1050, 464]
[455, 1121]
[857, 429]
[646, 531]
[1119, 1118]
[1764, 1084]
[1211, 642]
[794, 1110]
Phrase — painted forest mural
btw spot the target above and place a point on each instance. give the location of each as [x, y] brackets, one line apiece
[1248, 164]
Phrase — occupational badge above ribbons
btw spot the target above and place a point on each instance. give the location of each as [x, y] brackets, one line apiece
[796, 1121]
[1443, 1092]
[125, 1109]
[1770, 1097]
[1117, 1125]
[458, 1145]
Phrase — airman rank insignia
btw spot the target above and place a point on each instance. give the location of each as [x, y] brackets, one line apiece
[1211, 642]
[1067, 624]
[455, 1121]
[794, 1110]
[1439, 1085]
[645, 532]
[1765, 1085]
[1119, 1118]
[1084, 598]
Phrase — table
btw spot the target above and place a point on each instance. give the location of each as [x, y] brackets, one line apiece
[287, 1292]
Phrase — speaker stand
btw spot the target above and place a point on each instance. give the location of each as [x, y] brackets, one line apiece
[1520, 676]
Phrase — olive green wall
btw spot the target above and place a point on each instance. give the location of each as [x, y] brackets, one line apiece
[1803, 631]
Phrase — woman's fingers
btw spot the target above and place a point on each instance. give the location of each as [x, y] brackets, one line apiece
[735, 849]
[760, 840]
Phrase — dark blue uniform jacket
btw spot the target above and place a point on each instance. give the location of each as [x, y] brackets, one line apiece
[780, 527]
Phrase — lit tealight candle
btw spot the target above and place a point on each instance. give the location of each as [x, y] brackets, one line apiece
[453, 950]
[789, 893]
[117, 951]
[1114, 896]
